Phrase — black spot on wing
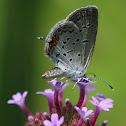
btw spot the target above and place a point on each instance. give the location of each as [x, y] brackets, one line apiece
[88, 24]
[57, 54]
[62, 47]
[57, 61]
[68, 39]
[80, 30]
[64, 54]
[85, 41]
[92, 25]
[77, 40]
[83, 27]
[70, 59]
[64, 42]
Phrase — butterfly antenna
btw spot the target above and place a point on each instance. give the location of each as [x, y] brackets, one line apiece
[42, 38]
[66, 81]
[103, 81]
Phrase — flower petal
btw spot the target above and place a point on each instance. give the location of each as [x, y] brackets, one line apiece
[89, 112]
[90, 88]
[54, 118]
[47, 123]
[84, 109]
[77, 108]
[17, 96]
[101, 96]
[10, 101]
[61, 120]
[53, 82]
[24, 94]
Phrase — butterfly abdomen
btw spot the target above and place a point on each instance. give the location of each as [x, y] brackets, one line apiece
[55, 72]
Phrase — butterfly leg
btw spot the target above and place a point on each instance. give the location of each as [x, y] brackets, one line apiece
[76, 83]
[66, 81]
[62, 78]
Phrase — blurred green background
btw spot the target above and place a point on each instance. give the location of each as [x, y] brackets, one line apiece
[22, 60]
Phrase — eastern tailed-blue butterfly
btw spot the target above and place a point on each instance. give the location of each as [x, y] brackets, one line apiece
[70, 43]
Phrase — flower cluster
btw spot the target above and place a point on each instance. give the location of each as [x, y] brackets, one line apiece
[68, 115]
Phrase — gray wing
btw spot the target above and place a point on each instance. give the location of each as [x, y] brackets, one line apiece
[70, 42]
[86, 18]
[61, 43]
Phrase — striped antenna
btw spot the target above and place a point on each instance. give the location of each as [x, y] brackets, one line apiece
[42, 38]
[102, 81]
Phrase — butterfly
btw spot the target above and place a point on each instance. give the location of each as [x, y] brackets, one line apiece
[70, 43]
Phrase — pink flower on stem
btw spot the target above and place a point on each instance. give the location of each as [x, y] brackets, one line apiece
[68, 115]
[88, 89]
[55, 121]
[59, 87]
[19, 100]
[83, 114]
[102, 105]
[84, 92]
[49, 94]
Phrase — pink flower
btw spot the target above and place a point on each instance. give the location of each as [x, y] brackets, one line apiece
[68, 114]
[49, 94]
[104, 104]
[55, 121]
[19, 100]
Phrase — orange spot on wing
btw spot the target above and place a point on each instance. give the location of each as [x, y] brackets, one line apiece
[55, 39]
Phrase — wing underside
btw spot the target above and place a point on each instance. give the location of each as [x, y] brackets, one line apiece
[70, 43]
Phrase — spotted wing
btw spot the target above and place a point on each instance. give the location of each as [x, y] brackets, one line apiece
[86, 18]
[70, 42]
[61, 45]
